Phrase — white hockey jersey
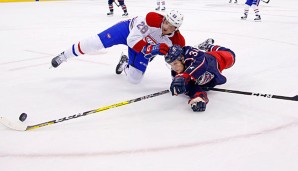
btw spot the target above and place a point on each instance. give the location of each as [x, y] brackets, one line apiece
[148, 30]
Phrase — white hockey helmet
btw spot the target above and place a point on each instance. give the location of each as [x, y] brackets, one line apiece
[175, 18]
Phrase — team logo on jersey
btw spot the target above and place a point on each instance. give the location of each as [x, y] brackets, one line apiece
[142, 63]
[150, 40]
[205, 78]
[109, 36]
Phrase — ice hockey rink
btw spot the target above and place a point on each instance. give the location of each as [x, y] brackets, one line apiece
[236, 132]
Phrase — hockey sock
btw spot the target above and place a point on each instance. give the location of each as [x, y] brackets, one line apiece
[256, 9]
[124, 8]
[87, 46]
[111, 7]
[163, 3]
[158, 3]
[246, 9]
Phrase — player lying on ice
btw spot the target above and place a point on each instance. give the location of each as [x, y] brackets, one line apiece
[145, 37]
[194, 69]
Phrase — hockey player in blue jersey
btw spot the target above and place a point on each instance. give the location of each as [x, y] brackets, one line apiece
[111, 7]
[194, 69]
[254, 4]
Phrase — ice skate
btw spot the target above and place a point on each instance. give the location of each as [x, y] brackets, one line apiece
[158, 8]
[244, 17]
[204, 45]
[258, 18]
[58, 60]
[110, 13]
[122, 64]
[125, 14]
[163, 9]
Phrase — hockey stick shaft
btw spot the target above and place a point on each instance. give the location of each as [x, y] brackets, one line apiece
[266, 1]
[294, 98]
[15, 126]
[118, 5]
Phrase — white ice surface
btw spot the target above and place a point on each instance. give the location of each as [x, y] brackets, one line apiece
[236, 132]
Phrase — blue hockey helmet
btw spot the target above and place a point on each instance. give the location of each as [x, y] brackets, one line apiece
[174, 53]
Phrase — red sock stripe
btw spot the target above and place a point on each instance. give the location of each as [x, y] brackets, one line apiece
[80, 50]
[124, 7]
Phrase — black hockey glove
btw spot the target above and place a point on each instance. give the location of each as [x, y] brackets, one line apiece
[198, 106]
[199, 101]
[178, 85]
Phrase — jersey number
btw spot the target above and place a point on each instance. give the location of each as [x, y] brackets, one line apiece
[143, 27]
[193, 52]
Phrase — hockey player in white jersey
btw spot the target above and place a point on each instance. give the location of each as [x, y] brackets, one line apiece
[145, 37]
[254, 4]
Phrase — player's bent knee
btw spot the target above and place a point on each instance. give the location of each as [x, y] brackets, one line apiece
[121, 2]
[91, 44]
[134, 75]
[228, 58]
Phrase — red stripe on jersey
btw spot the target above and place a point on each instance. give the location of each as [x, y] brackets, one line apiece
[80, 50]
[139, 46]
[198, 67]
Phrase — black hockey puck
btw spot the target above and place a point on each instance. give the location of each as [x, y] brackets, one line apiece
[23, 117]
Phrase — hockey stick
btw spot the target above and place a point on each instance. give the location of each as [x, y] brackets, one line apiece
[266, 1]
[22, 127]
[118, 5]
[294, 98]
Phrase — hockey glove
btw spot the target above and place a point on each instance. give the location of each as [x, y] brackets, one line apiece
[198, 102]
[152, 50]
[198, 106]
[178, 85]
